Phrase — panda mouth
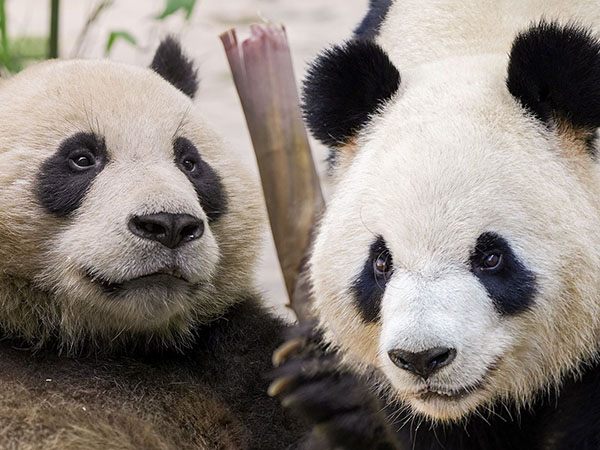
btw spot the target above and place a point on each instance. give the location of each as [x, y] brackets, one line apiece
[431, 392]
[437, 393]
[163, 277]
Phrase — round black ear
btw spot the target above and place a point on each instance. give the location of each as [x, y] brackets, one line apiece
[171, 64]
[344, 86]
[554, 71]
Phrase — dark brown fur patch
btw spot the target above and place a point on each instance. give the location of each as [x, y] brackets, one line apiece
[211, 397]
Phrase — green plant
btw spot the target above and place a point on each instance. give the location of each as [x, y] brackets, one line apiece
[116, 35]
[16, 53]
[4, 51]
[53, 38]
[172, 6]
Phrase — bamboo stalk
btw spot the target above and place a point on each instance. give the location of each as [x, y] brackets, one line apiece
[264, 77]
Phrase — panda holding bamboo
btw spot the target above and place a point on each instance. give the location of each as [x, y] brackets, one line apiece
[456, 271]
[128, 238]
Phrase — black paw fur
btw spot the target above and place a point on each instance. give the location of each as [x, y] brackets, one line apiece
[310, 381]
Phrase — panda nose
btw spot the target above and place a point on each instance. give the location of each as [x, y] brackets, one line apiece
[171, 230]
[423, 363]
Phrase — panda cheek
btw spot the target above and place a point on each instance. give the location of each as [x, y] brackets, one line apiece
[59, 189]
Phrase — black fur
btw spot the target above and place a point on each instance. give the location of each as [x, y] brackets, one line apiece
[344, 86]
[348, 416]
[206, 182]
[512, 286]
[61, 186]
[566, 421]
[228, 363]
[370, 26]
[554, 71]
[171, 64]
[368, 288]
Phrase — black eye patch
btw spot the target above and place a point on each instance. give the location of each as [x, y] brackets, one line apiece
[205, 180]
[66, 176]
[510, 285]
[369, 286]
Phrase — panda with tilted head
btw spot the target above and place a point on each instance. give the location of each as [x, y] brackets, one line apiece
[128, 239]
[456, 270]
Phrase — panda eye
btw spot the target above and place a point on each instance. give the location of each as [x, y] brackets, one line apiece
[382, 265]
[82, 161]
[492, 261]
[189, 165]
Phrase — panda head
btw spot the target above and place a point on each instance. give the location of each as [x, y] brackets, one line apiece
[460, 252]
[123, 217]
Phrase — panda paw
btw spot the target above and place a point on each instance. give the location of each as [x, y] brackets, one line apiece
[310, 381]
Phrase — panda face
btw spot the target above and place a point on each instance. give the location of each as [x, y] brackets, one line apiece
[158, 227]
[119, 203]
[459, 251]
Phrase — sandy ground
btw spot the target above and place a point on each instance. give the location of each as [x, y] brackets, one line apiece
[311, 25]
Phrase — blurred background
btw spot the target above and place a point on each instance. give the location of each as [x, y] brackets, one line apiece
[130, 30]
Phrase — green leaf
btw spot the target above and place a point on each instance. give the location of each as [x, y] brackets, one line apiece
[4, 51]
[30, 47]
[116, 35]
[24, 51]
[173, 6]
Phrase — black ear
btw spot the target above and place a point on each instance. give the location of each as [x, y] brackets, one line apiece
[554, 71]
[171, 64]
[344, 86]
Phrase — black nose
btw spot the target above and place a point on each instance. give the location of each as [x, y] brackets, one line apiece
[423, 363]
[171, 230]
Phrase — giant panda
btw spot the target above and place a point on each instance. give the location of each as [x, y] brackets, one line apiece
[128, 240]
[456, 271]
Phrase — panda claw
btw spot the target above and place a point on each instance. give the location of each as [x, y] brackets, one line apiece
[280, 385]
[282, 353]
[289, 401]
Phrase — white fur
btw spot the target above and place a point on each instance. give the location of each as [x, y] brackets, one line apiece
[417, 32]
[451, 156]
[138, 114]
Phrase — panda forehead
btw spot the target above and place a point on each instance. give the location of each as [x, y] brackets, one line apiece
[130, 108]
[452, 119]
[457, 85]
[438, 184]
[132, 131]
[430, 161]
